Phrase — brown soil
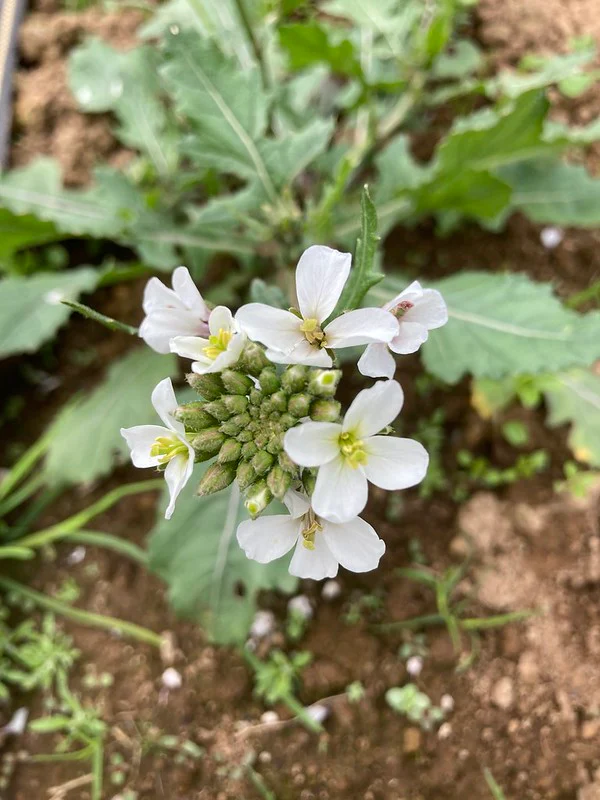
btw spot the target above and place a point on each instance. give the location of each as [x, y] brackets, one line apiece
[528, 707]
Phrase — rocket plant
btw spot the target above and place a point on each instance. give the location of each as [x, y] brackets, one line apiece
[268, 416]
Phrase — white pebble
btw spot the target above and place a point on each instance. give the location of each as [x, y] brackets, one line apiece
[447, 703]
[18, 722]
[331, 589]
[269, 717]
[445, 731]
[414, 665]
[76, 556]
[301, 605]
[318, 712]
[551, 237]
[263, 624]
[171, 679]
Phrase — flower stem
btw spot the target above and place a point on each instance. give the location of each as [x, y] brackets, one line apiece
[110, 542]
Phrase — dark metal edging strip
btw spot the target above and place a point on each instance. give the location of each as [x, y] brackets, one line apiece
[11, 12]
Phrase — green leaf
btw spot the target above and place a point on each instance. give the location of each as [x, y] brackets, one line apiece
[17, 232]
[86, 434]
[574, 397]
[464, 59]
[307, 44]
[363, 276]
[287, 157]
[31, 310]
[95, 75]
[261, 292]
[555, 193]
[576, 135]
[554, 70]
[502, 325]
[210, 579]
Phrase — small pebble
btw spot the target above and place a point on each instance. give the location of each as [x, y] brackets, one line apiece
[76, 556]
[18, 723]
[171, 679]
[263, 624]
[503, 693]
[447, 703]
[301, 605]
[269, 717]
[331, 589]
[414, 665]
[551, 237]
[445, 731]
[318, 712]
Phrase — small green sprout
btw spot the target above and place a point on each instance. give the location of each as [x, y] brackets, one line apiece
[355, 692]
[515, 433]
[415, 705]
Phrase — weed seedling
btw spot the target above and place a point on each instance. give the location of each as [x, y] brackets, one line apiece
[496, 791]
[355, 692]
[361, 605]
[415, 705]
[577, 481]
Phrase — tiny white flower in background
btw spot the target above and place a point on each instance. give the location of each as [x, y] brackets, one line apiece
[155, 446]
[320, 278]
[179, 311]
[321, 546]
[318, 711]
[447, 703]
[301, 605]
[414, 665]
[417, 311]
[171, 679]
[350, 454]
[222, 349]
[551, 237]
[331, 590]
[262, 625]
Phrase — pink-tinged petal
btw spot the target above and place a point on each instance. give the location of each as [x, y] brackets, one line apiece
[140, 439]
[296, 503]
[273, 327]
[395, 463]
[165, 402]
[267, 538]
[374, 409]
[340, 491]
[363, 326]
[177, 474]
[410, 337]
[315, 564]
[188, 293]
[303, 353]
[157, 295]
[220, 318]
[412, 293]
[311, 444]
[320, 277]
[429, 310]
[355, 544]
[377, 362]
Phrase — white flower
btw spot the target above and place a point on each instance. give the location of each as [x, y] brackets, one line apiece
[179, 311]
[222, 348]
[350, 454]
[320, 545]
[417, 311]
[291, 339]
[155, 446]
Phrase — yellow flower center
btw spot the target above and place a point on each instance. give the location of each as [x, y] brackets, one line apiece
[166, 448]
[217, 344]
[313, 333]
[311, 530]
[352, 449]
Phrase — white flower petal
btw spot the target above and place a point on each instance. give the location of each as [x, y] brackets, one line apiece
[395, 463]
[225, 359]
[303, 353]
[320, 277]
[187, 291]
[377, 362]
[430, 310]
[355, 544]
[316, 564]
[340, 492]
[190, 347]
[313, 443]
[296, 503]
[410, 337]
[220, 318]
[159, 327]
[273, 327]
[177, 474]
[363, 326]
[165, 402]
[412, 293]
[373, 409]
[157, 295]
[140, 439]
[267, 538]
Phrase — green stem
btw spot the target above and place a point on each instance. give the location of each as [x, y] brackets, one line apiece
[24, 465]
[395, 119]
[108, 322]
[414, 623]
[254, 43]
[85, 617]
[21, 494]
[302, 714]
[110, 542]
[78, 755]
[497, 621]
[16, 552]
[97, 770]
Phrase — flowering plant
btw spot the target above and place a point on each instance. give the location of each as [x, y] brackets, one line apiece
[269, 419]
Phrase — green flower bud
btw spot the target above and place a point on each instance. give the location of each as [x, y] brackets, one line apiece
[230, 451]
[236, 382]
[258, 498]
[256, 396]
[262, 462]
[323, 382]
[309, 480]
[325, 410]
[286, 463]
[209, 386]
[248, 450]
[235, 403]
[294, 378]
[275, 443]
[218, 409]
[235, 425]
[299, 404]
[269, 382]
[253, 359]
[261, 438]
[193, 416]
[245, 436]
[279, 401]
[207, 443]
[216, 477]
[279, 481]
[245, 474]
[287, 421]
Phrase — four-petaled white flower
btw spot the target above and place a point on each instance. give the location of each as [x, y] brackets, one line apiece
[222, 349]
[179, 311]
[321, 545]
[292, 339]
[417, 311]
[165, 448]
[350, 454]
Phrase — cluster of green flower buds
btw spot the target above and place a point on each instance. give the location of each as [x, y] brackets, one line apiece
[243, 417]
